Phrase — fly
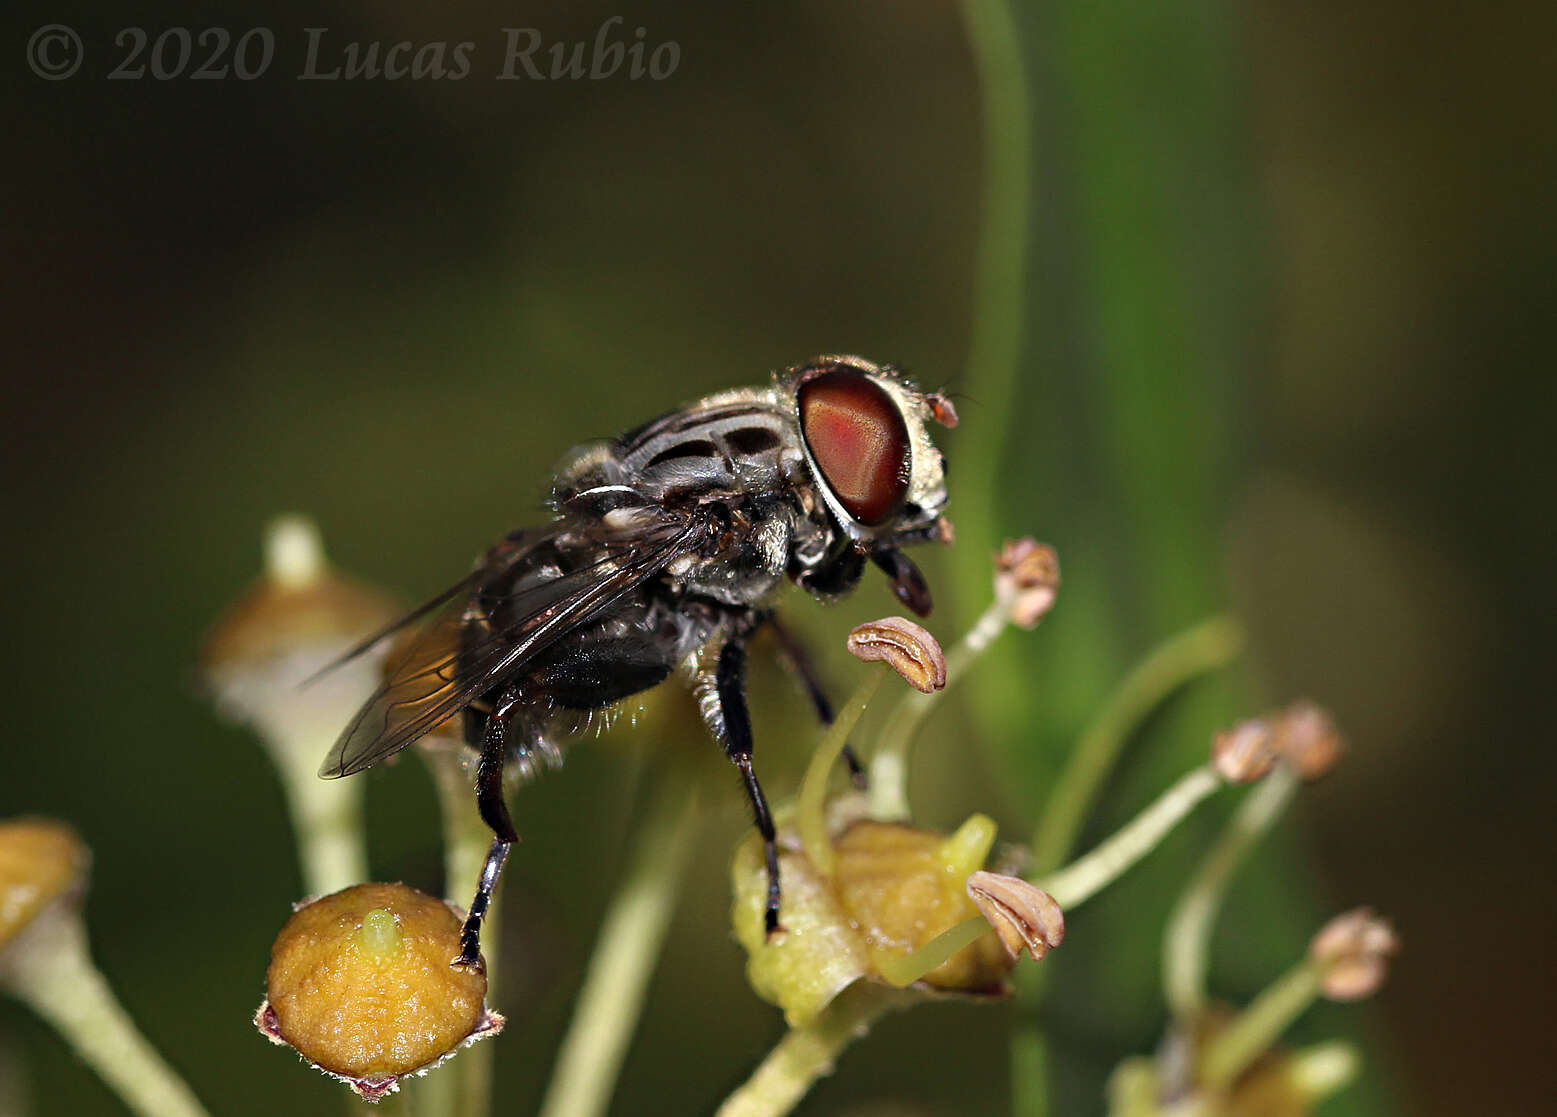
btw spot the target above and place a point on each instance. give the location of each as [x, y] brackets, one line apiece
[667, 546]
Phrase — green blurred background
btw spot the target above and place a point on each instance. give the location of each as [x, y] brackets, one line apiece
[1285, 349]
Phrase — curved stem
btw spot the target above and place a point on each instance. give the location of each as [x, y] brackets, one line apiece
[994, 351]
[806, 1054]
[889, 759]
[326, 818]
[1084, 878]
[1257, 1027]
[811, 806]
[630, 940]
[1029, 1070]
[1205, 647]
[53, 972]
[904, 971]
[1000, 278]
[1187, 941]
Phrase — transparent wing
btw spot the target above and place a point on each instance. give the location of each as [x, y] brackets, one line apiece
[455, 593]
[436, 677]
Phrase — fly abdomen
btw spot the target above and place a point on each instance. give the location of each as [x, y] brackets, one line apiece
[592, 674]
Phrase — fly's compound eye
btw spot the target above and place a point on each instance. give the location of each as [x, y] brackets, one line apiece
[859, 441]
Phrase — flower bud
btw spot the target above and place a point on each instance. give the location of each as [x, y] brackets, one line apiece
[1022, 914]
[1244, 753]
[1353, 951]
[894, 888]
[905, 647]
[1306, 737]
[41, 861]
[1027, 578]
[45, 962]
[902, 886]
[817, 955]
[360, 985]
[1279, 1083]
[294, 621]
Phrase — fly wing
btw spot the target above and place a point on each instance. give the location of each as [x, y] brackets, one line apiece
[437, 678]
[456, 593]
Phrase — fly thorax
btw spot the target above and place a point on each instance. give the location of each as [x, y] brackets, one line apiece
[745, 572]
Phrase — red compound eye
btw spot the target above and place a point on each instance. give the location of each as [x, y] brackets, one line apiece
[859, 441]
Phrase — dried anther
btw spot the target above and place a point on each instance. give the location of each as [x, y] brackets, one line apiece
[1306, 737]
[359, 984]
[1022, 914]
[1027, 578]
[905, 647]
[1352, 951]
[941, 410]
[1244, 753]
[1302, 736]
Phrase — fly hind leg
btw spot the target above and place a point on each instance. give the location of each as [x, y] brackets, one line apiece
[494, 812]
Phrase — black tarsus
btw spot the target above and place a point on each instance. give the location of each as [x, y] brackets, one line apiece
[800, 661]
[470, 934]
[730, 686]
[494, 812]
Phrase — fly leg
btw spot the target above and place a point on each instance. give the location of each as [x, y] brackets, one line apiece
[800, 662]
[494, 812]
[735, 723]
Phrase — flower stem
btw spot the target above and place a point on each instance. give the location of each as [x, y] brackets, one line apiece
[53, 972]
[889, 759]
[1205, 647]
[1029, 1070]
[1257, 1027]
[1187, 941]
[326, 817]
[1000, 278]
[1085, 877]
[630, 940]
[807, 1053]
[1200, 649]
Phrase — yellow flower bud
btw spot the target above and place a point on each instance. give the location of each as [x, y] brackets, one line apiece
[901, 887]
[893, 889]
[40, 861]
[360, 985]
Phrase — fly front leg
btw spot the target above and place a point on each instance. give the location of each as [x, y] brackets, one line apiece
[494, 812]
[800, 662]
[734, 729]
